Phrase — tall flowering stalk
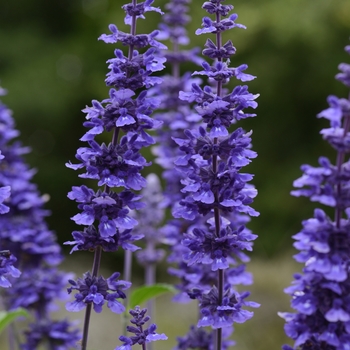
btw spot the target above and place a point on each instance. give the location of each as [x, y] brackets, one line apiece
[215, 189]
[27, 245]
[141, 336]
[116, 166]
[321, 294]
[177, 115]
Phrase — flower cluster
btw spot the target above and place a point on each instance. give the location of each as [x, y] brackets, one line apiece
[28, 246]
[141, 336]
[320, 295]
[95, 290]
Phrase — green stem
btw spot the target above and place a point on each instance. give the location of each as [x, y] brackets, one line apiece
[95, 269]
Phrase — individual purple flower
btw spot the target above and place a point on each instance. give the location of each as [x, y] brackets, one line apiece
[141, 336]
[320, 295]
[210, 26]
[337, 108]
[7, 269]
[139, 40]
[138, 10]
[96, 291]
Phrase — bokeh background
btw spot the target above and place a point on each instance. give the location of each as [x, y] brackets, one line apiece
[53, 66]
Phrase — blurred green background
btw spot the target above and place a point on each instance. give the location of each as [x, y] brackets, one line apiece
[52, 65]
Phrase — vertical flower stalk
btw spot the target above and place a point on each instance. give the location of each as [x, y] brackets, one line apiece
[215, 189]
[177, 115]
[116, 166]
[320, 295]
[141, 336]
[28, 245]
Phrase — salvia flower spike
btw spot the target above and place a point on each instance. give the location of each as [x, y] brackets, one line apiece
[29, 251]
[142, 335]
[126, 113]
[215, 188]
[320, 294]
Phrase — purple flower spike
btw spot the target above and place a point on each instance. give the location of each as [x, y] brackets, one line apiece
[214, 200]
[141, 336]
[28, 244]
[320, 295]
[116, 166]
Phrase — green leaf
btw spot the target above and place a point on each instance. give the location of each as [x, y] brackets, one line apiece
[142, 294]
[6, 317]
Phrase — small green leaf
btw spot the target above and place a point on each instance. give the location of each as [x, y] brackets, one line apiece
[142, 294]
[6, 317]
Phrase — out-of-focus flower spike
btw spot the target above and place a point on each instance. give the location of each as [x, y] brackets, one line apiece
[320, 293]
